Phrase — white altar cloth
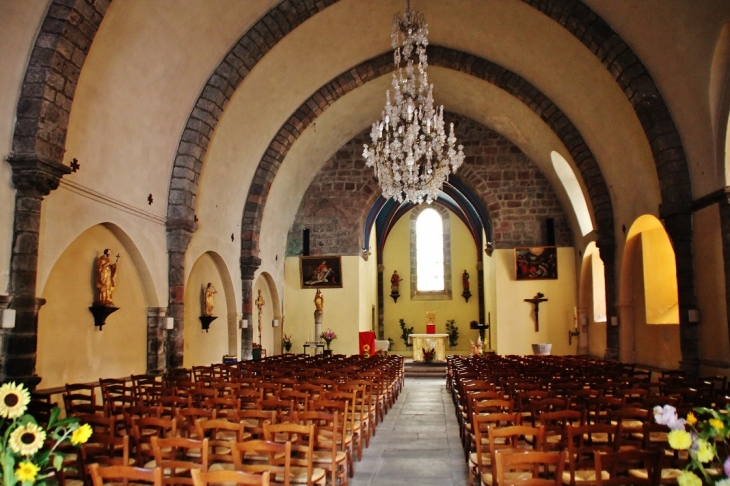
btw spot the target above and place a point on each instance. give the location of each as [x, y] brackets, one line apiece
[428, 341]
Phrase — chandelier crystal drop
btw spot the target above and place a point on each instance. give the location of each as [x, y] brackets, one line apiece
[410, 151]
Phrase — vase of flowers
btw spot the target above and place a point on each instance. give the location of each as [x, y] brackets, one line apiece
[429, 355]
[286, 342]
[27, 457]
[328, 336]
[704, 434]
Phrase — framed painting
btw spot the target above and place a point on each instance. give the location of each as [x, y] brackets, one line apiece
[320, 271]
[536, 263]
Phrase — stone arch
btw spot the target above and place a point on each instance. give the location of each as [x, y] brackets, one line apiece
[720, 100]
[50, 80]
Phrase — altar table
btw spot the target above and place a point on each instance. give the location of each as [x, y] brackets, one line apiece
[428, 341]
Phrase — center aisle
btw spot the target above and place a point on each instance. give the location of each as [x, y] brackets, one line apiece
[418, 443]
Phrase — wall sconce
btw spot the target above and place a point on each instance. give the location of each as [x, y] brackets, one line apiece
[244, 323]
[169, 323]
[275, 323]
[571, 335]
[8, 318]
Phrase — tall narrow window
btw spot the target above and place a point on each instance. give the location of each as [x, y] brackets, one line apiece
[430, 251]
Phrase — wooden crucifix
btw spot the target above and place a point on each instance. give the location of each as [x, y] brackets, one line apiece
[539, 297]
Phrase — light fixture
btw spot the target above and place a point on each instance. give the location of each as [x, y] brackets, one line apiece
[411, 153]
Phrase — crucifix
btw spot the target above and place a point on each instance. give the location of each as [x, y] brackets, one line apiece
[259, 303]
[539, 297]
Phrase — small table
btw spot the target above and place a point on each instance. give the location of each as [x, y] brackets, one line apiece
[315, 346]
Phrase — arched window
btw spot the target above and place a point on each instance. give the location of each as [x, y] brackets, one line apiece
[430, 252]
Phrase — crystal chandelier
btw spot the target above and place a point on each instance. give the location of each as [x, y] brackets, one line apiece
[411, 153]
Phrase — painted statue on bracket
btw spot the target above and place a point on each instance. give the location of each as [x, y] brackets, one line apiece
[210, 292]
[106, 277]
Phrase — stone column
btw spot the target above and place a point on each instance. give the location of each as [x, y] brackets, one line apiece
[179, 234]
[33, 178]
[249, 265]
[608, 256]
[381, 303]
[317, 325]
[156, 340]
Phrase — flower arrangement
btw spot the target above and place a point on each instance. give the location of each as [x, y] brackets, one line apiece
[328, 336]
[26, 456]
[478, 348]
[706, 442]
[286, 342]
[429, 355]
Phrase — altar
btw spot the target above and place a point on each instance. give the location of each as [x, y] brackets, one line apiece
[428, 341]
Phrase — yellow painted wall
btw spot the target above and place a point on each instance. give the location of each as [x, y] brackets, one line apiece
[70, 348]
[396, 256]
[660, 278]
[204, 348]
[490, 300]
[654, 345]
[708, 260]
[341, 307]
[515, 323]
[597, 328]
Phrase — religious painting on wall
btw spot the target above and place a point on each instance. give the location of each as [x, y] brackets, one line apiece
[536, 263]
[320, 271]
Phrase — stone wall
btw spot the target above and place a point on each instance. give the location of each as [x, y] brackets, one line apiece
[516, 195]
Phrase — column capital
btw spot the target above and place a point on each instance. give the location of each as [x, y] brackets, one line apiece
[36, 175]
[249, 265]
[179, 234]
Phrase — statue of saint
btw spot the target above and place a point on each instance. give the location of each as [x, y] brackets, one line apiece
[209, 299]
[319, 301]
[395, 282]
[465, 280]
[106, 278]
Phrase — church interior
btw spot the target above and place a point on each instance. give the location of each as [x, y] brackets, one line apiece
[215, 148]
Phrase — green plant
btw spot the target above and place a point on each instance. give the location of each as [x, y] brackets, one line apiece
[390, 344]
[29, 452]
[452, 331]
[407, 331]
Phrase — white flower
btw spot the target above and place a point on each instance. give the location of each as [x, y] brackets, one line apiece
[667, 415]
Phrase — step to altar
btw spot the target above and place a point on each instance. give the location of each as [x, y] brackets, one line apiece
[422, 369]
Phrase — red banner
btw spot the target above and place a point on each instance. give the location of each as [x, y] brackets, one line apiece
[367, 344]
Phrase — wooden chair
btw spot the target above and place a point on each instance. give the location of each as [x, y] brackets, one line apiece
[258, 456]
[178, 456]
[330, 431]
[143, 429]
[219, 434]
[583, 442]
[229, 477]
[254, 421]
[619, 465]
[508, 438]
[480, 459]
[302, 439]
[105, 450]
[529, 466]
[80, 398]
[345, 442]
[187, 417]
[116, 474]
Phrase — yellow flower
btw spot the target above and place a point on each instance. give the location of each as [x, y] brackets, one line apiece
[81, 435]
[27, 439]
[717, 423]
[679, 439]
[691, 419]
[26, 471]
[14, 399]
[705, 453]
[688, 478]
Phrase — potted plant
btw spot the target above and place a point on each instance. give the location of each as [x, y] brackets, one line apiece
[453, 332]
[406, 332]
[429, 356]
[286, 343]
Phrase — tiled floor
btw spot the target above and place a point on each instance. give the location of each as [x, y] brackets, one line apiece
[418, 443]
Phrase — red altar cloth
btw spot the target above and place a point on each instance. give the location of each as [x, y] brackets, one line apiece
[367, 344]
